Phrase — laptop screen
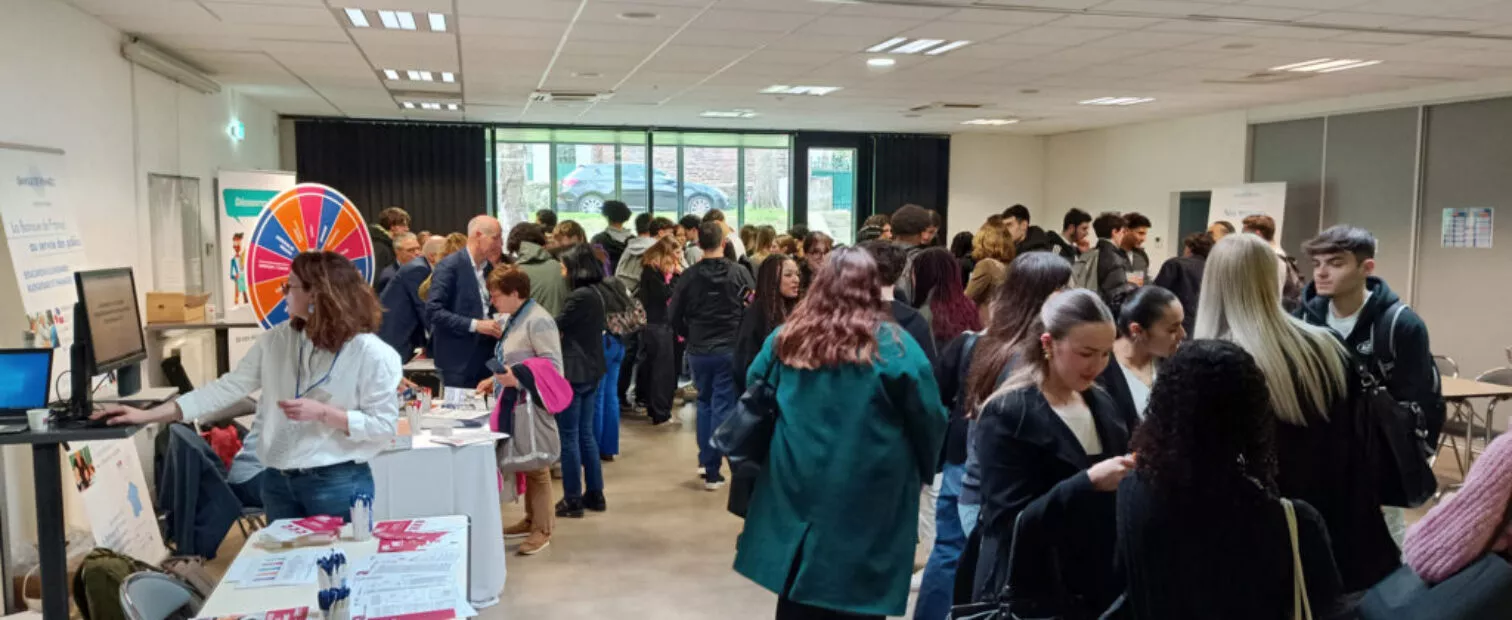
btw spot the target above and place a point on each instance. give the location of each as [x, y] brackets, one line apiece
[27, 373]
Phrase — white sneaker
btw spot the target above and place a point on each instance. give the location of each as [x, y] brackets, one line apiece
[714, 486]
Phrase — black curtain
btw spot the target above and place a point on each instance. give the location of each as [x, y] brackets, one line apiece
[438, 173]
[911, 169]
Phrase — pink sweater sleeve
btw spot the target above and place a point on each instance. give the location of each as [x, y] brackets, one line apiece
[1457, 531]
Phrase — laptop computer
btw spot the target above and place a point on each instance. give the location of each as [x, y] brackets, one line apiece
[27, 377]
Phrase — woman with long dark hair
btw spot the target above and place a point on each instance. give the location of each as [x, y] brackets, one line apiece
[581, 324]
[1150, 327]
[329, 403]
[937, 282]
[831, 525]
[776, 295]
[662, 264]
[1201, 529]
[1053, 448]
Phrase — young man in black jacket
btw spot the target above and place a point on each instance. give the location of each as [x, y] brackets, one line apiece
[707, 307]
[1075, 226]
[1113, 283]
[1026, 238]
[1379, 329]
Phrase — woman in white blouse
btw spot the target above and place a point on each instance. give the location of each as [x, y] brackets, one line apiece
[328, 402]
[1150, 327]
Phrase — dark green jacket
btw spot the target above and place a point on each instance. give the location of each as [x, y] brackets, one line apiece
[840, 490]
[547, 285]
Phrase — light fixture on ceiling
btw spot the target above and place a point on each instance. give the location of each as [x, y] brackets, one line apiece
[431, 106]
[1117, 101]
[415, 75]
[448, 77]
[783, 89]
[390, 74]
[903, 45]
[996, 122]
[736, 113]
[1326, 65]
[395, 20]
[639, 16]
[880, 62]
[587, 75]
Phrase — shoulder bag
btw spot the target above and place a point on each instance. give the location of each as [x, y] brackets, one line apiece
[1301, 607]
[1010, 605]
[746, 437]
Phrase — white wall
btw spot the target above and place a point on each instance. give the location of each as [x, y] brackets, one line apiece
[1142, 167]
[69, 88]
[989, 173]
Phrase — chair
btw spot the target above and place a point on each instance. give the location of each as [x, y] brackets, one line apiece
[1497, 376]
[1447, 366]
[155, 596]
[252, 519]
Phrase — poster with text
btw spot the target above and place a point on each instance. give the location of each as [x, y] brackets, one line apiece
[1233, 204]
[44, 240]
[108, 476]
[1468, 228]
[242, 195]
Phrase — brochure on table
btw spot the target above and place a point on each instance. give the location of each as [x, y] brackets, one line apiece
[44, 239]
[242, 195]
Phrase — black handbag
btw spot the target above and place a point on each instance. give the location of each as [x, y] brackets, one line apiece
[746, 438]
[1399, 433]
[1010, 605]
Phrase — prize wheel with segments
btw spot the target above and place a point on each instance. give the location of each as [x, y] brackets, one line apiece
[306, 217]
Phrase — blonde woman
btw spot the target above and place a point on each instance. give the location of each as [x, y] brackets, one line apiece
[1308, 374]
[992, 250]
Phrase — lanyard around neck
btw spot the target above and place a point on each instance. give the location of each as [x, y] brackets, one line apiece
[299, 391]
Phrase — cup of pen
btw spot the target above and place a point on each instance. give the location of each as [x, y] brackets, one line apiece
[362, 517]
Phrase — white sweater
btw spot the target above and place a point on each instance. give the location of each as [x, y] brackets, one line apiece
[363, 379]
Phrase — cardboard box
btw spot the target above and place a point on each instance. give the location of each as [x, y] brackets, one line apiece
[176, 307]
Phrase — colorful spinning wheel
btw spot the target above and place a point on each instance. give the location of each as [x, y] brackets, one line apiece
[306, 217]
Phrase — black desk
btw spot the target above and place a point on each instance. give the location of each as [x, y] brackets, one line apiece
[222, 338]
[47, 477]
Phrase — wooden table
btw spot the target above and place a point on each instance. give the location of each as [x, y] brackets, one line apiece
[1459, 393]
[228, 599]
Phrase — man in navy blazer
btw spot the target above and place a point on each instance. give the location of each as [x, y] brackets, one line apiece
[462, 334]
[404, 323]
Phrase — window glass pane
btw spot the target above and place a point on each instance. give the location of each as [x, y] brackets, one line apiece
[523, 181]
[832, 193]
[767, 175]
[588, 175]
[709, 180]
[664, 180]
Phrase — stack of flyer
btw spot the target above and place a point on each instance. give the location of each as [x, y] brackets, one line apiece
[414, 574]
[306, 532]
[297, 613]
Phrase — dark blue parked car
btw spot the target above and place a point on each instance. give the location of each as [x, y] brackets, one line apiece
[585, 189]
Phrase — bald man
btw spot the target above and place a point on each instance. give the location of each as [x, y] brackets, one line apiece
[463, 334]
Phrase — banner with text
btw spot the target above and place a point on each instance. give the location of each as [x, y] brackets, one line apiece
[242, 195]
[44, 240]
[108, 477]
[1233, 204]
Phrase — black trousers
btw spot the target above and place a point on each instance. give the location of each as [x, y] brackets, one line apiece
[788, 610]
[658, 369]
[628, 373]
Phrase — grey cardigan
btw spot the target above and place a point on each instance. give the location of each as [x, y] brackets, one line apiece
[532, 334]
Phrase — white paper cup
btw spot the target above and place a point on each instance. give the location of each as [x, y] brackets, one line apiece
[37, 419]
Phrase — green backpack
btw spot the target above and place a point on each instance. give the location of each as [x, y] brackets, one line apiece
[97, 585]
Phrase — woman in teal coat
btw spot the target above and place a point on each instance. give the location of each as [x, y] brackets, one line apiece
[832, 522]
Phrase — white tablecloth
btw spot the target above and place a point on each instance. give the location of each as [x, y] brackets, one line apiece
[230, 600]
[432, 480]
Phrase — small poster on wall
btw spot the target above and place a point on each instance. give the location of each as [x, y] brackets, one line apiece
[1233, 204]
[1468, 228]
[108, 476]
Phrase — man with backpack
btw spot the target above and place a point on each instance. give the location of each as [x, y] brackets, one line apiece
[1076, 226]
[1288, 276]
[614, 238]
[706, 309]
[1381, 333]
[1105, 267]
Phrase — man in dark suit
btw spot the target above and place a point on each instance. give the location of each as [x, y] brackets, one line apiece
[404, 321]
[462, 333]
[406, 248]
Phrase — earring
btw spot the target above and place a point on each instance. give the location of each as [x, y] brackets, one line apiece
[1048, 355]
[312, 308]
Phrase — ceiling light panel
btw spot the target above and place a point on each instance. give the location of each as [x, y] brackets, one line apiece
[815, 91]
[417, 75]
[736, 113]
[1117, 101]
[904, 45]
[1326, 65]
[394, 19]
[996, 122]
[432, 106]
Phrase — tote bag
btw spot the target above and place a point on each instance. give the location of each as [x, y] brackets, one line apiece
[533, 443]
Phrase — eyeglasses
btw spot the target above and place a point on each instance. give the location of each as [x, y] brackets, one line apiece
[288, 287]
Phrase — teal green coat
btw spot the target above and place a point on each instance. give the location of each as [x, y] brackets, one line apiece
[837, 505]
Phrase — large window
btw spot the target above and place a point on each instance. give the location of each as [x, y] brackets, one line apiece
[832, 193]
[574, 171]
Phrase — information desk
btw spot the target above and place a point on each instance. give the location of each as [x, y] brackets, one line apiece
[432, 479]
[1458, 393]
[228, 599]
[47, 476]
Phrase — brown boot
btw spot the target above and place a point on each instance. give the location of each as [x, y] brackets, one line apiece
[537, 542]
[519, 529]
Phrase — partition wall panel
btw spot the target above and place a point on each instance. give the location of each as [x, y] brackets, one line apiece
[1291, 151]
[1463, 293]
[1370, 181]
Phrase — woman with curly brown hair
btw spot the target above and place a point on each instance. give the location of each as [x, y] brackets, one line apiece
[831, 524]
[992, 251]
[328, 384]
[1202, 532]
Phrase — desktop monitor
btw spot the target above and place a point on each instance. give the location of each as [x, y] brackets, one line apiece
[107, 335]
[27, 373]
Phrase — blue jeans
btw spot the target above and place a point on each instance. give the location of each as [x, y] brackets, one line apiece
[580, 462]
[296, 494]
[938, 585]
[714, 376]
[606, 414]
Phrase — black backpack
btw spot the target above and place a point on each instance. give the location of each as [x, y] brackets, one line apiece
[1399, 431]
